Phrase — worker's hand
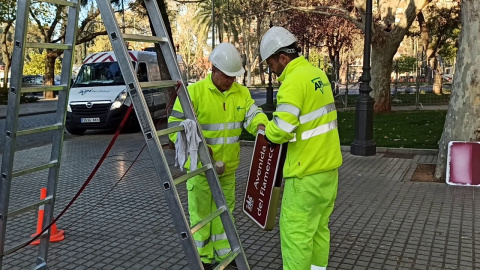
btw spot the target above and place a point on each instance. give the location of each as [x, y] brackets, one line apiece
[261, 127]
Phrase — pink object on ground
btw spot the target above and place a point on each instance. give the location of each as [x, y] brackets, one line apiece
[463, 163]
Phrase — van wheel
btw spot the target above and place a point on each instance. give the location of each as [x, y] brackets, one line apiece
[132, 126]
[75, 131]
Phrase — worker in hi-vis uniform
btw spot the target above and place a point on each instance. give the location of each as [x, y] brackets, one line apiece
[222, 107]
[306, 118]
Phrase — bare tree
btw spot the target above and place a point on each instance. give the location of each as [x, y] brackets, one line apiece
[7, 18]
[255, 18]
[437, 24]
[463, 121]
[392, 19]
[52, 30]
[334, 33]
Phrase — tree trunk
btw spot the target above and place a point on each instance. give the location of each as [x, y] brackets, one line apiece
[6, 70]
[424, 38]
[259, 38]
[336, 64]
[437, 76]
[6, 53]
[385, 42]
[50, 72]
[382, 66]
[437, 82]
[170, 92]
[307, 49]
[462, 122]
[425, 44]
[248, 64]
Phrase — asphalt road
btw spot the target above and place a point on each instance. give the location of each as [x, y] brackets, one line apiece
[260, 95]
[43, 138]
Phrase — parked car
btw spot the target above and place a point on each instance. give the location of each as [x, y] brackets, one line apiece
[32, 80]
[447, 77]
[37, 80]
[98, 98]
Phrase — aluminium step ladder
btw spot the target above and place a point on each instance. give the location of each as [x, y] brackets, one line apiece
[11, 127]
[185, 233]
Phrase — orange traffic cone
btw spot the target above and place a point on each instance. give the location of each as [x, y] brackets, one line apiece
[55, 235]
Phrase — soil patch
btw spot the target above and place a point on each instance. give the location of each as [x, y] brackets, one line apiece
[425, 173]
[399, 155]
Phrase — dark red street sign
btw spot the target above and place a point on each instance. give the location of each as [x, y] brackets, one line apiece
[463, 163]
[262, 193]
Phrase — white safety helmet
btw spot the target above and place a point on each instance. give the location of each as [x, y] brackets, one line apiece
[274, 39]
[227, 59]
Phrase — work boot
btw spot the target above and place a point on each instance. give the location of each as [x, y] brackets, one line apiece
[208, 266]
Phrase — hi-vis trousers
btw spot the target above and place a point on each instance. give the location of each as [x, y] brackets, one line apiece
[306, 208]
[211, 240]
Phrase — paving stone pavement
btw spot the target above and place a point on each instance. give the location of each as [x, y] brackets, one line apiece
[382, 220]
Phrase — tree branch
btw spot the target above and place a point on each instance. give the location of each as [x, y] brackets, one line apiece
[90, 17]
[54, 22]
[90, 37]
[315, 10]
[188, 2]
[315, 7]
[39, 24]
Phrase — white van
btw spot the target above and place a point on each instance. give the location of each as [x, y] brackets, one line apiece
[98, 98]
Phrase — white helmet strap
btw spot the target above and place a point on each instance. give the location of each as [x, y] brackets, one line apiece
[286, 50]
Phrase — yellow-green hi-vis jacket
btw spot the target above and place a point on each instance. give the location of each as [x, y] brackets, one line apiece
[306, 118]
[221, 116]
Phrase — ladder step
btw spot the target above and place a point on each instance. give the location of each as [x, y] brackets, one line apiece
[158, 84]
[169, 130]
[29, 207]
[208, 219]
[54, 46]
[228, 259]
[40, 129]
[142, 38]
[189, 175]
[60, 2]
[35, 169]
[33, 89]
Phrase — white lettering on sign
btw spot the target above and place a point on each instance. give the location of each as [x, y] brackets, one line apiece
[260, 164]
[259, 208]
[267, 172]
[249, 203]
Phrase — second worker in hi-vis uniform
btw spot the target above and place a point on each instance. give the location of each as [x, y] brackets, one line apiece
[222, 107]
[306, 118]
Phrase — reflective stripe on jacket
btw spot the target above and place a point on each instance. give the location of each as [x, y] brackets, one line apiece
[221, 116]
[306, 118]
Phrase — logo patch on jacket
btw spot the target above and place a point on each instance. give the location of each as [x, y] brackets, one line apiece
[318, 84]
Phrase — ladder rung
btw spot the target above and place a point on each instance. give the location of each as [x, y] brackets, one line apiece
[169, 130]
[60, 2]
[158, 84]
[43, 88]
[39, 129]
[29, 207]
[189, 175]
[228, 259]
[35, 169]
[142, 38]
[208, 219]
[19, 245]
[54, 46]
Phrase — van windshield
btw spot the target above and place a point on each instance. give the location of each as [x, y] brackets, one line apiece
[100, 74]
